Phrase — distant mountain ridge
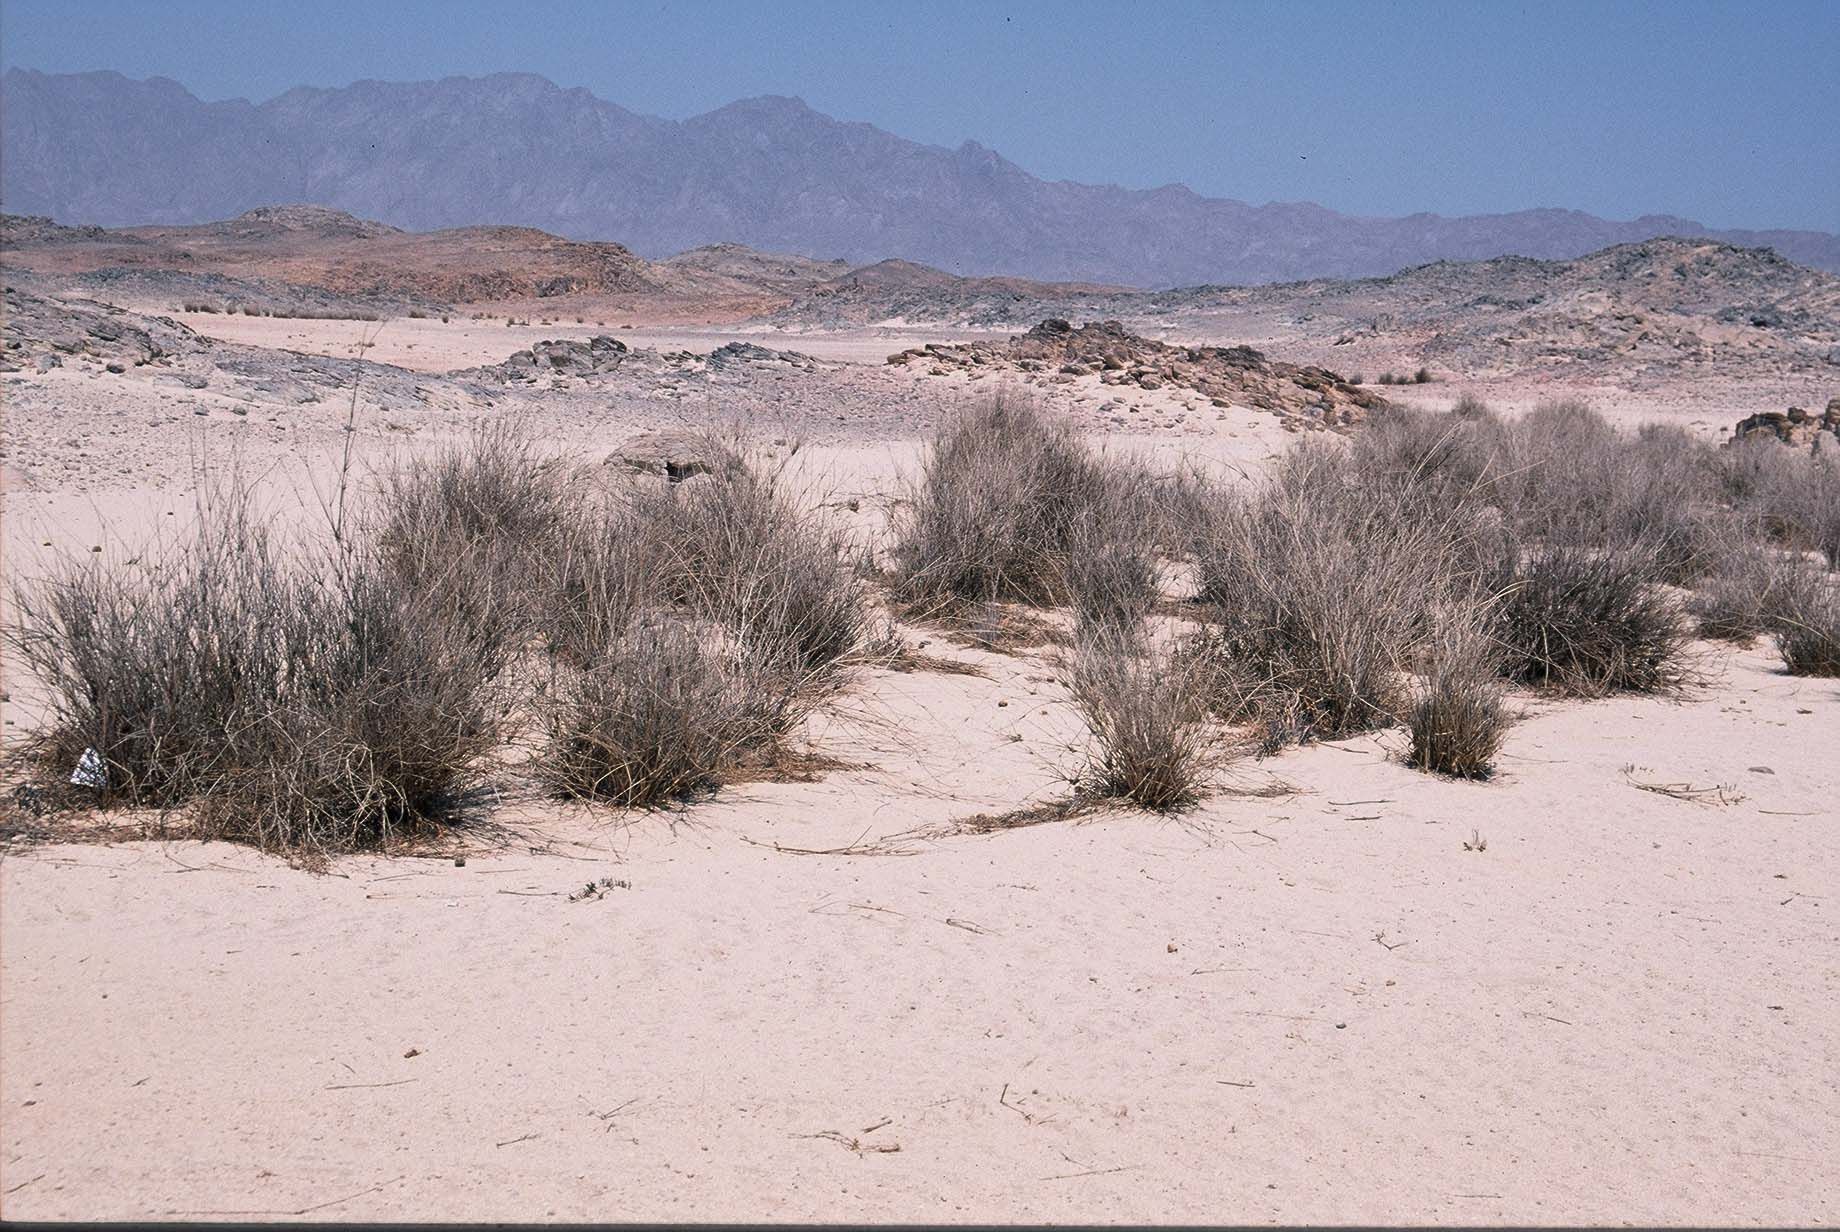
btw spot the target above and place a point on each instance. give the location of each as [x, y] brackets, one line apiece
[769, 173]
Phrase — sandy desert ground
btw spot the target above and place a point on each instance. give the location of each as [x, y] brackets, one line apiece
[1337, 991]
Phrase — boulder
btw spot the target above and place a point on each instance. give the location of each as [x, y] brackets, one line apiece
[676, 455]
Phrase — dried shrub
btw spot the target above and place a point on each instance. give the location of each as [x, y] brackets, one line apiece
[1448, 457]
[1457, 719]
[1318, 590]
[1147, 711]
[692, 626]
[738, 547]
[1578, 483]
[304, 700]
[383, 718]
[659, 713]
[1006, 499]
[1734, 600]
[1805, 624]
[1589, 622]
[1807, 505]
[475, 526]
[151, 661]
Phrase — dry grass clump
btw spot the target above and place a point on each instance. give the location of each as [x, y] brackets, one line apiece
[692, 627]
[303, 699]
[152, 661]
[1147, 711]
[1794, 495]
[1805, 624]
[1589, 622]
[1007, 501]
[474, 526]
[1318, 589]
[1579, 483]
[1807, 504]
[383, 716]
[1461, 455]
[738, 547]
[1457, 719]
[657, 715]
[1749, 581]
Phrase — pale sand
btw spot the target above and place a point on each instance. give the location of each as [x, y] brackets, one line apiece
[1621, 1010]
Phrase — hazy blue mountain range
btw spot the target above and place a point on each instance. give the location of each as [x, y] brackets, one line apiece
[767, 172]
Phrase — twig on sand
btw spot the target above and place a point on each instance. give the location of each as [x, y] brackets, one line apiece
[305, 1210]
[347, 1198]
[1352, 803]
[1068, 1176]
[1389, 946]
[1548, 1017]
[890, 846]
[970, 927]
[356, 1086]
[869, 1129]
[512, 1141]
[855, 1144]
[1717, 793]
[1228, 1082]
[41, 1176]
[1003, 1099]
[612, 1112]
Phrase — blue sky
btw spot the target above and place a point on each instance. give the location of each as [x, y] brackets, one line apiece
[1727, 113]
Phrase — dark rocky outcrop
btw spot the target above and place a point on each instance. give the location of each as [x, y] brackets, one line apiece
[1225, 375]
[1795, 427]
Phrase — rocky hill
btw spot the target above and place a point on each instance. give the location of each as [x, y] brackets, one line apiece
[1659, 302]
[327, 249]
[736, 269]
[896, 291]
[770, 173]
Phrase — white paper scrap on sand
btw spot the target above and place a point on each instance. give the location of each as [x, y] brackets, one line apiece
[90, 771]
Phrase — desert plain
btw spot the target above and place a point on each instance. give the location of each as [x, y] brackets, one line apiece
[1595, 988]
